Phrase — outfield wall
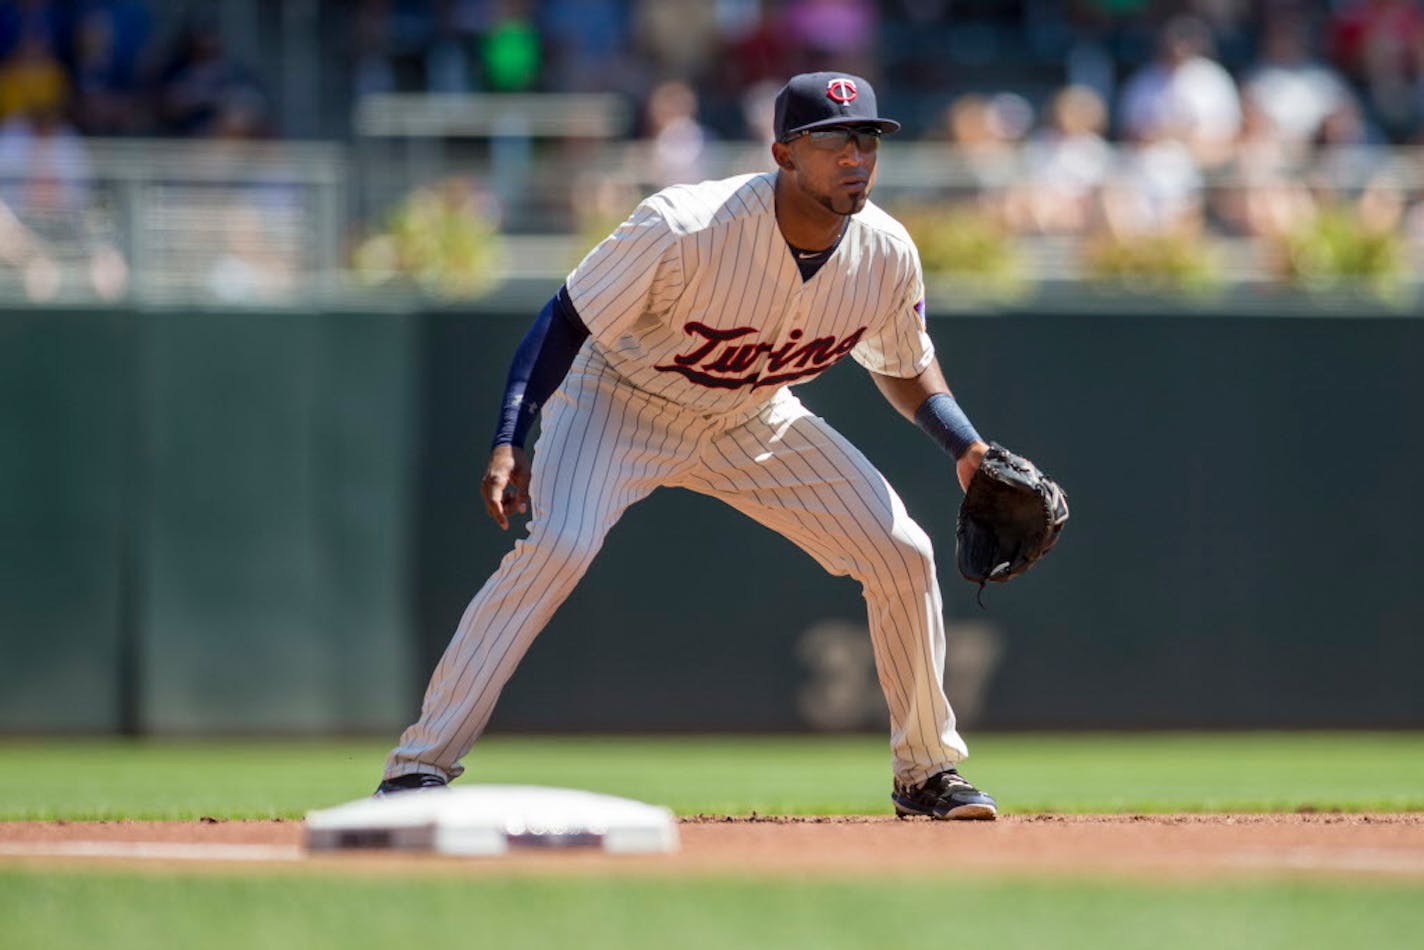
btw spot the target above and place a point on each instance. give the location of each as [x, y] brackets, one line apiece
[269, 522]
[205, 520]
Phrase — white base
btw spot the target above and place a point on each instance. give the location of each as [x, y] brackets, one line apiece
[493, 820]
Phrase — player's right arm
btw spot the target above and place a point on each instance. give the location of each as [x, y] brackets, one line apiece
[616, 283]
[540, 363]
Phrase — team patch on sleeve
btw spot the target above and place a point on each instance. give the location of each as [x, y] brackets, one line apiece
[920, 310]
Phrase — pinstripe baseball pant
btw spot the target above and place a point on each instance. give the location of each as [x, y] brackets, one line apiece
[605, 445]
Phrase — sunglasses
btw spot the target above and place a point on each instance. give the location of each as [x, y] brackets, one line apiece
[835, 139]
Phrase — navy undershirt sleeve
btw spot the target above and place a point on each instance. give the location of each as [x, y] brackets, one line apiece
[540, 364]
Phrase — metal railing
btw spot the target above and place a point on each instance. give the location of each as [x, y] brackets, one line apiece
[164, 221]
[279, 223]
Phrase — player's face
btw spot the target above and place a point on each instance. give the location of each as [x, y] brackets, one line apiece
[836, 167]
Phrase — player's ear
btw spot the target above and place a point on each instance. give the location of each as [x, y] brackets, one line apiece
[781, 154]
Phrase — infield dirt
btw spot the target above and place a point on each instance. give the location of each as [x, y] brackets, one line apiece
[1191, 845]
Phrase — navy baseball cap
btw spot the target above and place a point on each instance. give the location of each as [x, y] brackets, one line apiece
[816, 100]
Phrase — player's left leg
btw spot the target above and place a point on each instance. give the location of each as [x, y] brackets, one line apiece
[789, 470]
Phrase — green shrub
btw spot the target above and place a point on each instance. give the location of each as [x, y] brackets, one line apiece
[1178, 262]
[968, 245]
[442, 239]
[1335, 250]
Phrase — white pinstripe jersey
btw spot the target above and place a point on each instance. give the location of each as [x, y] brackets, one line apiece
[698, 299]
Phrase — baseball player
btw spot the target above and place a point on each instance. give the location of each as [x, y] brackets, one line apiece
[667, 359]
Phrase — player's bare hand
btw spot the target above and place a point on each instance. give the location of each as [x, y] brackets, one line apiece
[505, 487]
[969, 463]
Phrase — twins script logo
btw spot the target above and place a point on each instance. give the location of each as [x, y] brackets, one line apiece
[727, 359]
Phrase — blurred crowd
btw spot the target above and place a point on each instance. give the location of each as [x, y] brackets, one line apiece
[1342, 68]
[73, 71]
[1065, 117]
[103, 67]
[1097, 118]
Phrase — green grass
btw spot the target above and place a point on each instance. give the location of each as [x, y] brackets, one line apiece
[64, 907]
[115, 779]
[139, 911]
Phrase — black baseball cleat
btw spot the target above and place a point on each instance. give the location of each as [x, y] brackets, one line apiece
[946, 795]
[409, 783]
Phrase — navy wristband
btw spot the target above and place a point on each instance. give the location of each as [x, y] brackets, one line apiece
[942, 420]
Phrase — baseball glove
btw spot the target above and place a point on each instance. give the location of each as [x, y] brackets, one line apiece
[1011, 516]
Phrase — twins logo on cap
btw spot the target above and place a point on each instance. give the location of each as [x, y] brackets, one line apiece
[817, 100]
[841, 90]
